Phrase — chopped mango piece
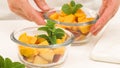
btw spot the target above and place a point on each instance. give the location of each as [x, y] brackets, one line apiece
[31, 39]
[90, 19]
[27, 51]
[84, 29]
[44, 43]
[74, 28]
[39, 40]
[23, 38]
[61, 19]
[54, 16]
[61, 26]
[81, 19]
[27, 39]
[85, 19]
[64, 26]
[30, 59]
[60, 50]
[47, 54]
[80, 13]
[40, 60]
[67, 27]
[62, 14]
[69, 18]
[64, 38]
[59, 41]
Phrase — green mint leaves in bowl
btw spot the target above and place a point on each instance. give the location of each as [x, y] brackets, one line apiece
[71, 8]
[52, 33]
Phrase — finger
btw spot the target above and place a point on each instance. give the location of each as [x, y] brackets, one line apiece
[102, 9]
[16, 10]
[19, 12]
[42, 5]
[96, 27]
[95, 33]
[31, 13]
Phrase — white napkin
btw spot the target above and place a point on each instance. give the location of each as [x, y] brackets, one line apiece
[107, 48]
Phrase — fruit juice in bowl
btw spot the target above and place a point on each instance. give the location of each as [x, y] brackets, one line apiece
[43, 46]
[75, 18]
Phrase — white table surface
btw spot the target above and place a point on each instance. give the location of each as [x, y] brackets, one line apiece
[78, 57]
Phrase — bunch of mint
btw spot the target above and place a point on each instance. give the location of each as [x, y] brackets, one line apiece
[71, 8]
[52, 33]
[7, 63]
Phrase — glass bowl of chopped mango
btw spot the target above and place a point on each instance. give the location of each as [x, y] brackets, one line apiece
[75, 18]
[44, 46]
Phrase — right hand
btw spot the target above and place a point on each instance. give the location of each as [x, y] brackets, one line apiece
[24, 9]
[107, 11]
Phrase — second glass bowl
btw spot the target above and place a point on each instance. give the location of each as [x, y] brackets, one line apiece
[81, 30]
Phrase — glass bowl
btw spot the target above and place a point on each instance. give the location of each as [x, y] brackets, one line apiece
[38, 56]
[79, 29]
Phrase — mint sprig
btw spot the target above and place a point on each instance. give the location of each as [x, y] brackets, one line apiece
[7, 63]
[52, 33]
[66, 9]
[72, 3]
[75, 8]
[72, 8]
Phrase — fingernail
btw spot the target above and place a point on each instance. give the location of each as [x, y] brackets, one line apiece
[42, 22]
[46, 7]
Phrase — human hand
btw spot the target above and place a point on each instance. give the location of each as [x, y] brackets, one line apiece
[24, 9]
[107, 11]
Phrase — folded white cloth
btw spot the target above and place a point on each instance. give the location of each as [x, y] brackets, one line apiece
[107, 48]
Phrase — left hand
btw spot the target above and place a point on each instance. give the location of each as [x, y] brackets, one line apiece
[25, 10]
[107, 11]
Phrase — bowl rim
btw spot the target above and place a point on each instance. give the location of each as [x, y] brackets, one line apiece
[69, 23]
[66, 43]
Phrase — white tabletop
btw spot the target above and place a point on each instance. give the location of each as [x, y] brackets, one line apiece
[78, 57]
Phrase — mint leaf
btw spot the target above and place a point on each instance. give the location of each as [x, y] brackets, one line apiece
[53, 39]
[50, 23]
[50, 39]
[59, 33]
[43, 28]
[8, 63]
[66, 9]
[72, 3]
[17, 65]
[45, 37]
[59, 30]
[76, 7]
[1, 62]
